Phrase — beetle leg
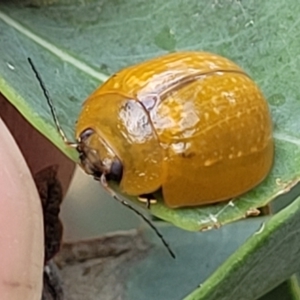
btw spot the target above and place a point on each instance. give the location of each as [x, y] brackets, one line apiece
[148, 199]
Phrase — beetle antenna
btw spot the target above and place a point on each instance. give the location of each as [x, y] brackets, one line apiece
[114, 195]
[102, 178]
[50, 103]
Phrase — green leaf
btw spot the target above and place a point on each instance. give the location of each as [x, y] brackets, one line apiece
[268, 258]
[76, 46]
[198, 255]
[259, 254]
[288, 290]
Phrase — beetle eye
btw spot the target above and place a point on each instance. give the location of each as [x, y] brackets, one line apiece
[85, 134]
[116, 170]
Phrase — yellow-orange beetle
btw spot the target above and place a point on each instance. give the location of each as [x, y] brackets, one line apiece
[192, 124]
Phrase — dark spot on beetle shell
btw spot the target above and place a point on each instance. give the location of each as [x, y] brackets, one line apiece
[188, 154]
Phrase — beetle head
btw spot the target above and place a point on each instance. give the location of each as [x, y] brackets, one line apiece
[97, 157]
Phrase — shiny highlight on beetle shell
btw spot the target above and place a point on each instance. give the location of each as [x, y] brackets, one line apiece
[191, 123]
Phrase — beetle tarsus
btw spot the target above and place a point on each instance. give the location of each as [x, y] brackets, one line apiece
[148, 199]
